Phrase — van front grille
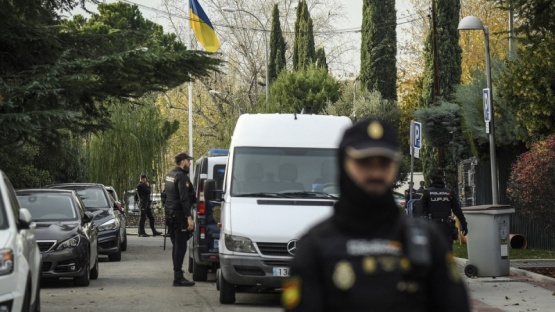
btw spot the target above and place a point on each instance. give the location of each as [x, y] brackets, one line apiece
[273, 249]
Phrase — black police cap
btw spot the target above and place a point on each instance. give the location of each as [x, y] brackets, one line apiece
[181, 156]
[372, 137]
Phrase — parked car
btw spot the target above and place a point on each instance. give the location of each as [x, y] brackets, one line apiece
[203, 246]
[279, 181]
[98, 201]
[65, 234]
[121, 216]
[20, 259]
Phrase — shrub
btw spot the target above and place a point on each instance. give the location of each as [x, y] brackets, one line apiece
[532, 177]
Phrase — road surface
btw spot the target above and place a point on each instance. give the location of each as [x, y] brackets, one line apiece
[142, 281]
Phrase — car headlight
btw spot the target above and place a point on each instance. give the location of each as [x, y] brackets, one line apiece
[239, 244]
[6, 261]
[69, 243]
[109, 225]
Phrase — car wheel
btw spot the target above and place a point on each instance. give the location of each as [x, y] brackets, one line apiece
[200, 272]
[190, 266]
[95, 270]
[85, 280]
[227, 290]
[116, 256]
[124, 243]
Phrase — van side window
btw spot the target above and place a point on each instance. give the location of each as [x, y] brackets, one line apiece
[219, 173]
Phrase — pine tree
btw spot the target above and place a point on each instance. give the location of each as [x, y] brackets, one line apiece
[378, 69]
[277, 47]
[304, 52]
[321, 60]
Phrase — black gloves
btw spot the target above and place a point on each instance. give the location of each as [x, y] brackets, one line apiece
[464, 229]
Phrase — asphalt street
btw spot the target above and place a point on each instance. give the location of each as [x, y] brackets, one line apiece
[142, 281]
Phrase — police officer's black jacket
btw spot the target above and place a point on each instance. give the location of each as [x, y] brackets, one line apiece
[438, 201]
[179, 193]
[143, 191]
[358, 260]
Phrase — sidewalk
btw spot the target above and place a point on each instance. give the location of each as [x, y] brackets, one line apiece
[521, 291]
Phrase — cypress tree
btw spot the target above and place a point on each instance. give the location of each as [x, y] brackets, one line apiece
[321, 60]
[378, 68]
[449, 53]
[277, 47]
[304, 52]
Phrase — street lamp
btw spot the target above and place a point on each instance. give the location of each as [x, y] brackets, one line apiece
[474, 23]
[233, 10]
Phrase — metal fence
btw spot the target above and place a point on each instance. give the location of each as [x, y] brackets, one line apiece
[475, 189]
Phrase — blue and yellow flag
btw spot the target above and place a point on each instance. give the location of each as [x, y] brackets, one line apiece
[201, 25]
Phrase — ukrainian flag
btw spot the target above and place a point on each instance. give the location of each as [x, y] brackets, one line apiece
[201, 25]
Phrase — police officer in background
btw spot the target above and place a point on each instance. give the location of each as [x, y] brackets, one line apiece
[179, 199]
[143, 192]
[368, 256]
[437, 202]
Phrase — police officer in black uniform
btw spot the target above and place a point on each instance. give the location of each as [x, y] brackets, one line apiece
[179, 199]
[368, 256]
[437, 202]
[143, 192]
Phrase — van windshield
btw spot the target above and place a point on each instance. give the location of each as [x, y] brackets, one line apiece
[284, 172]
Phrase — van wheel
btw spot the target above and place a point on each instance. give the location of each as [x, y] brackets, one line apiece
[26, 305]
[227, 290]
[190, 265]
[95, 270]
[200, 272]
[85, 280]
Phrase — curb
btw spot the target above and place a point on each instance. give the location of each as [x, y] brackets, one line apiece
[461, 262]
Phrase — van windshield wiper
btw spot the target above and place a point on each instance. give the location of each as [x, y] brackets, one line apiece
[260, 194]
[310, 194]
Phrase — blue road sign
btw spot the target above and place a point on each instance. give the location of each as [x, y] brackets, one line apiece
[487, 105]
[417, 143]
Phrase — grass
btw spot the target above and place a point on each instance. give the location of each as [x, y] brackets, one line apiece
[461, 252]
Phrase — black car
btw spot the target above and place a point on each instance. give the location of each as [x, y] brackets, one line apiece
[64, 232]
[120, 212]
[98, 201]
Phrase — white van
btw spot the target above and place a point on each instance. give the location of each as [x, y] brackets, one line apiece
[279, 181]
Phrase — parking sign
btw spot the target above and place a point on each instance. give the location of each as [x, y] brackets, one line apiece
[417, 134]
[487, 105]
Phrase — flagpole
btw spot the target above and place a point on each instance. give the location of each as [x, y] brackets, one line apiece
[190, 89]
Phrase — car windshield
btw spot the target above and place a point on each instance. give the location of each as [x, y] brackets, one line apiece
[93, 197]
[284, 172]
[48, 207]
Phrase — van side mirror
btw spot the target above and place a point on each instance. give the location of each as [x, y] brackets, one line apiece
[24, 218]
[88, 217]
[209, 190]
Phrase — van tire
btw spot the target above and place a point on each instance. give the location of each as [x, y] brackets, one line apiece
[227, 290]
[190, 265]
[26, 305]
[200, 272]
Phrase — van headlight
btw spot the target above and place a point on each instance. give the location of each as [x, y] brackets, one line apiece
[109, 225]
[6, 261]
[239, 244]
[69, 243]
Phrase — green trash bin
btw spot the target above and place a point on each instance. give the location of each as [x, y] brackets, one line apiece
[488, 240]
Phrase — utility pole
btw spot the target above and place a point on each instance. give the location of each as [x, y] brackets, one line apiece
[511, 31]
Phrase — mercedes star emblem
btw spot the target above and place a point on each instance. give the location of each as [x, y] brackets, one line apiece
[292, 247]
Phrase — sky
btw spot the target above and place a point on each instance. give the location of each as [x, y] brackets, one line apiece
[352, 9]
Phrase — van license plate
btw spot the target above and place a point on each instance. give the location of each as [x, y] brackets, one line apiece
[281, 271]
